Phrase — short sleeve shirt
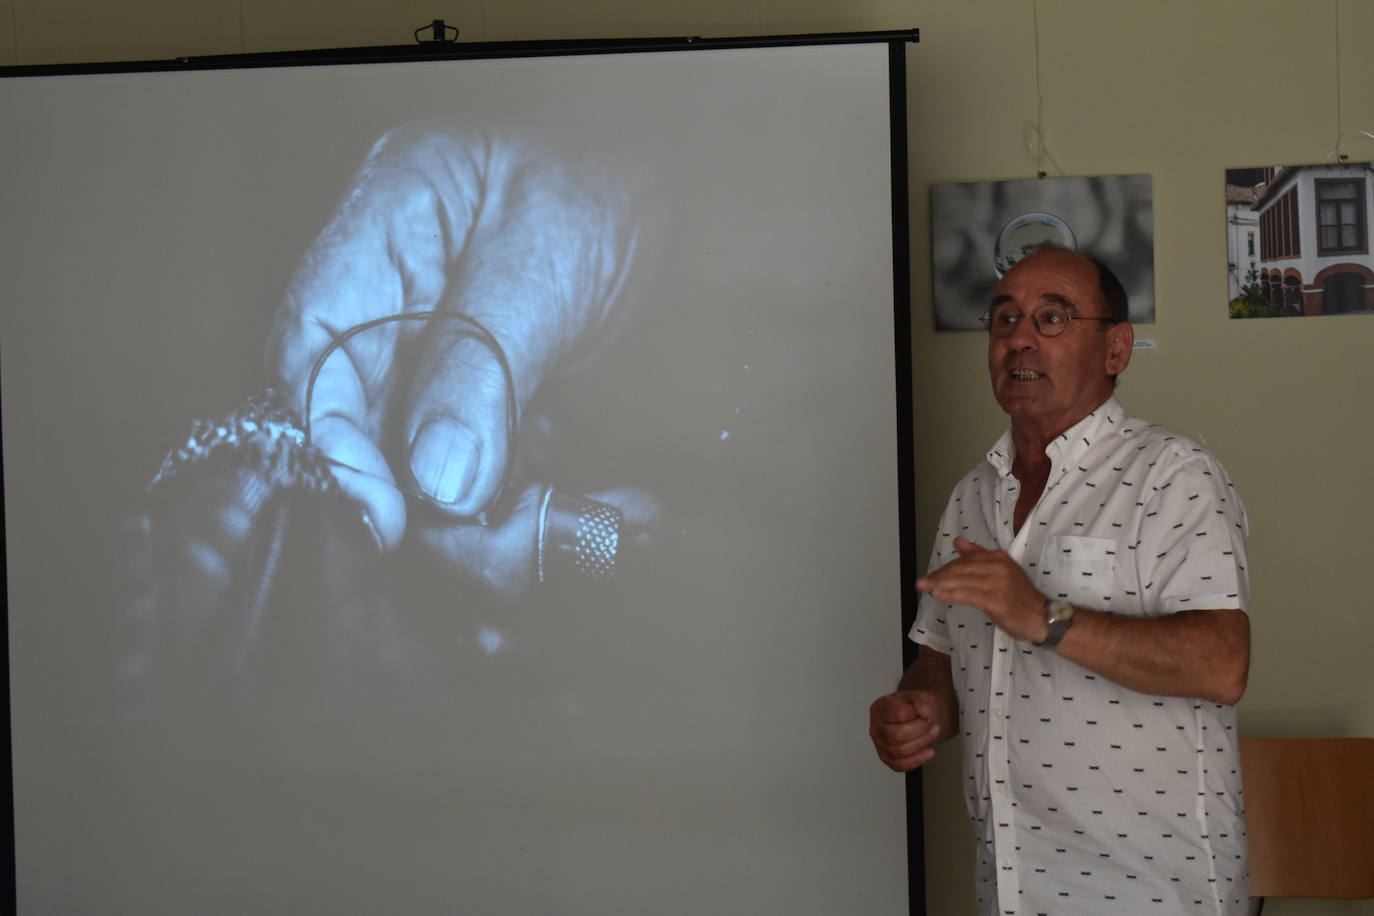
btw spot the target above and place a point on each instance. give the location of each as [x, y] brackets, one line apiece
[1087, 797]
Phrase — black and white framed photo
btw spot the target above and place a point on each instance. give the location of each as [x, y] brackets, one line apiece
[979, 229]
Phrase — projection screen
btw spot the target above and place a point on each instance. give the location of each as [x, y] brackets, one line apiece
[455, 486]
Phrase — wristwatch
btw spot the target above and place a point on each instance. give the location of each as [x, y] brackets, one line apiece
[1059, 615]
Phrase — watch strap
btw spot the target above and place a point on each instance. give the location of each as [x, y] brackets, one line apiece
[1059, 614]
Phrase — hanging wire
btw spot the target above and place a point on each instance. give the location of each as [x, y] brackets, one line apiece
[1035, 146]
[1034, 135]
[1356, 134]
[1337, 152]
[1039, 137]
[1336, 20]
[1343, 137]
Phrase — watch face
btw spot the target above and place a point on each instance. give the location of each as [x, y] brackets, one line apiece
[1058, 611]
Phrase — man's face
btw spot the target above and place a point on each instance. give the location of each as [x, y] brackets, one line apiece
[1053, 382]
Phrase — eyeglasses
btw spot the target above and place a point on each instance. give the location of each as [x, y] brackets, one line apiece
[1050, 320]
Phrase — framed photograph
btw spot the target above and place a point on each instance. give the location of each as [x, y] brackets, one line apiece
[1297, 240]
[979, 229]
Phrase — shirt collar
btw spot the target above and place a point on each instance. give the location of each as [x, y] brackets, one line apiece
[1071, 443]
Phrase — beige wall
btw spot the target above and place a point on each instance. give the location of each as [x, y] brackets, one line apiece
[1180, 89]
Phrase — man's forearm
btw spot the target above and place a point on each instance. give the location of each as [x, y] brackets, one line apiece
[931, 673]
[1197, 653]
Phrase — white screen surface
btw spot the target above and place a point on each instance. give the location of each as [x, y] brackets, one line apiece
[686, 259]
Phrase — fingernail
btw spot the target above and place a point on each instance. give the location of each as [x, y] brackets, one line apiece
[372, 530]
[443, 460]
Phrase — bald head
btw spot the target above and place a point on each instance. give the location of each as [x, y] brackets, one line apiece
[1114, 301]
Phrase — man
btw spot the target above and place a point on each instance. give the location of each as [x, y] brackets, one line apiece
[1083, 629]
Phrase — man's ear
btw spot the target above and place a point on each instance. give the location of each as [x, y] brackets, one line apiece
[1120, 344]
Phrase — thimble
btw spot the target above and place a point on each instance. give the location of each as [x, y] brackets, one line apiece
[578, 537]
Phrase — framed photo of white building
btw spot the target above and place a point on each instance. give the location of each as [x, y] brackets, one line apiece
[979, 229]
[1297, 240]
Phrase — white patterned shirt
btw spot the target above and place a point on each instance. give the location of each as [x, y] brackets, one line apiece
[1087, 797]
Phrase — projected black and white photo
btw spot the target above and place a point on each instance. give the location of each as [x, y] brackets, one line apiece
[465, 267]
[1297, 240]
[461, 486]
[979, 229]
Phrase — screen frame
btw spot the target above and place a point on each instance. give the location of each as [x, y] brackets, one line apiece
[897, 42]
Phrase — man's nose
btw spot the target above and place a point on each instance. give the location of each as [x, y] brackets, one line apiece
[1024, 335]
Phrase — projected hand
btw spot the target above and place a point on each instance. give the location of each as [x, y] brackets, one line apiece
[903, 728]
[454, 221]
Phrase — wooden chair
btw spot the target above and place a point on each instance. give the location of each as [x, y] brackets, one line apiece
[1309, 811]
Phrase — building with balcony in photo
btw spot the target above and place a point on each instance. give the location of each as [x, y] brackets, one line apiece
[1314, 254]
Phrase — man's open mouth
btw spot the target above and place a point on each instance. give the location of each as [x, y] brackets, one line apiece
[1025, 375]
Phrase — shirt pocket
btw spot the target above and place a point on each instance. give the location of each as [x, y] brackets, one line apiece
[1078, 569]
